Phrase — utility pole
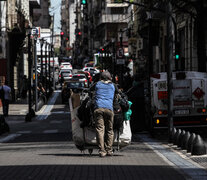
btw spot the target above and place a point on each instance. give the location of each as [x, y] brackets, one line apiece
[169, 52]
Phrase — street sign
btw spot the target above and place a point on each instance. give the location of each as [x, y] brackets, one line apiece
[120, 61]
[120, 53]
[36, 31]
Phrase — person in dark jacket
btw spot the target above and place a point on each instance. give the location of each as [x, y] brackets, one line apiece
[104, 91]
[6, 99]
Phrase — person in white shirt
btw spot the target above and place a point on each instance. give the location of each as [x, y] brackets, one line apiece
[6, 99]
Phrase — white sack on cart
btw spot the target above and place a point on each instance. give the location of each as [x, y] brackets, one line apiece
[77, 131]
[126, 134]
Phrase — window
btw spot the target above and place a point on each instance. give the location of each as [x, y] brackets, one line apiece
[117, 10]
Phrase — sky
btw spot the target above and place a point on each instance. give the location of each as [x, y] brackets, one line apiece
[55, 9]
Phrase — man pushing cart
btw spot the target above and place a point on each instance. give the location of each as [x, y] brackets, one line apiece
[103, 136]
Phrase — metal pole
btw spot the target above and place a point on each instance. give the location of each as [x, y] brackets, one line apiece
[122, 65]
[36, 78]
[28, 117]
[49, 72]
[41, 45]
[169, 52]
[46, 68]
[53, 53]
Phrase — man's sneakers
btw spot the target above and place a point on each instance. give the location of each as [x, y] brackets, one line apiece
[109, 153]
[102, 154]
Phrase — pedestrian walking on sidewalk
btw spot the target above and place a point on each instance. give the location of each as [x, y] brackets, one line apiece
[6, 98]
[103, 114]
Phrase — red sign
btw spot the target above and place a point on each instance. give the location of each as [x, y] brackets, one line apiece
[198, 93]
[162, 95]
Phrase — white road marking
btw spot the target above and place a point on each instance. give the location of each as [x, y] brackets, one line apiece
[14, 122]
[24, 132]
[60, 112]
[50, 131]
[55, 122]
[9, 137]
[46, 110]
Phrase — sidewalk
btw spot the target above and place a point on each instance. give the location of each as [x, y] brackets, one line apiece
[145, 158]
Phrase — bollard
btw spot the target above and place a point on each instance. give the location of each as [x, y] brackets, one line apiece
[198, 146]
[185, 140]
[180, 138]
[177, 134]
[190, 142]
[172, 134]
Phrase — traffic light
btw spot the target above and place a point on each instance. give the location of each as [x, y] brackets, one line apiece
[78, 33]
[177, 50]
[83, 2]
[62, 33]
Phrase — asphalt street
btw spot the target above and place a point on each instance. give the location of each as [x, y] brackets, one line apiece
[44, 149]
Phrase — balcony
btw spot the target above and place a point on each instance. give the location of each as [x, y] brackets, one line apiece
[112, 18]
[34, 3]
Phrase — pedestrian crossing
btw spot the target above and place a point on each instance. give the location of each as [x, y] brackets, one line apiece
[20, 133]
[41, 115]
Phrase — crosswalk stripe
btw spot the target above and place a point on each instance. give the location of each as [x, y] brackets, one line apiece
[9, 137]
[24, 132]
[55, 122]
[50, 131]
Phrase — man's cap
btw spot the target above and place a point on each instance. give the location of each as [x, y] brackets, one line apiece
[106, 75]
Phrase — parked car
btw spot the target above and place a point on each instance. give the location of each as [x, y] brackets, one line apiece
[65, 75]
[82, 78]
[66, 65]
[69, 87]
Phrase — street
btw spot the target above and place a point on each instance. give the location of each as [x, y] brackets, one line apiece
[43, 149]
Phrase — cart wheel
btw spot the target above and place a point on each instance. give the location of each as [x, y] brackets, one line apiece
[90, 151]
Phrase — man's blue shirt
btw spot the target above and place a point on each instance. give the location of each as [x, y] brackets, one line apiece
[104, 95]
